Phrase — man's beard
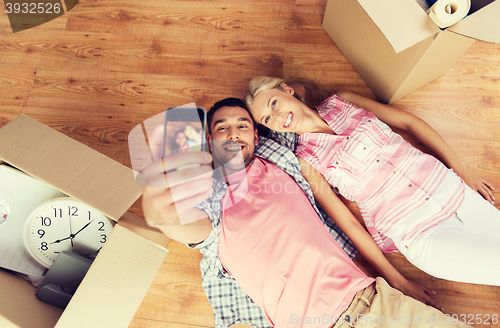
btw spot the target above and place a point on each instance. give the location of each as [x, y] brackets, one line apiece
[232, 162]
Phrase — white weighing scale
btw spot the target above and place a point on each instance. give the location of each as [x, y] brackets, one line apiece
[20, 194]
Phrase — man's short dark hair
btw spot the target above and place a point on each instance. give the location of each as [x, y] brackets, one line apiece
[228, 102]
[232, 102]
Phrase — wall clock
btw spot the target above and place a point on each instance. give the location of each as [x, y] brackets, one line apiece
[65, 224]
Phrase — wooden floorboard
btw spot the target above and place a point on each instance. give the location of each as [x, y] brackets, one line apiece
[107, 65]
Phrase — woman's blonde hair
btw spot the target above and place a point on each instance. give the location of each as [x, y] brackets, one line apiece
[315, 92]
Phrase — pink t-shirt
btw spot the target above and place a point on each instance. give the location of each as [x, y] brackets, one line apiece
[277, 248]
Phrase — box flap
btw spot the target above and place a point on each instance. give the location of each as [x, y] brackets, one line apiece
[403, 22]
[116, 283]
[20, 307]
[446, 48]
[69, 166]
[483, 25]
[138, 225]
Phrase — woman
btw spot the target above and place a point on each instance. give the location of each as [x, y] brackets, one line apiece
[409, 200]
[180, 142]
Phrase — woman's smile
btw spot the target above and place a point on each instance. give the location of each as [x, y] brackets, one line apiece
[288, 120]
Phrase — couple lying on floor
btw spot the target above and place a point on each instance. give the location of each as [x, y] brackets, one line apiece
[271, 257]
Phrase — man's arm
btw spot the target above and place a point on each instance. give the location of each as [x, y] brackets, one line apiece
[170, 195]
[424, 133]
[365, 244]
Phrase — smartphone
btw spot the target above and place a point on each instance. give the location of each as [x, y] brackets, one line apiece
[184, 130]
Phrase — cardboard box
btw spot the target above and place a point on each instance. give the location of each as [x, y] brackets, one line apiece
[396, 48]
[120, 276]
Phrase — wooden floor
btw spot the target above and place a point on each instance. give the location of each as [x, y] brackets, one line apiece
[107, 65]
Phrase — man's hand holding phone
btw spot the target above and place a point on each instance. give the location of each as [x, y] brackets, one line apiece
[170, 194]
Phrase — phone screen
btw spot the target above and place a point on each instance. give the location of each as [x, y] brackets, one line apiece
[184, 130]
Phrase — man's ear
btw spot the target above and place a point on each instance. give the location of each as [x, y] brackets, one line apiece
[209, 142]
[256, 137]
[288, 89]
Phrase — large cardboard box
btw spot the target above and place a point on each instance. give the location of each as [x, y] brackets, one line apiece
[396, 48]
[120, 276]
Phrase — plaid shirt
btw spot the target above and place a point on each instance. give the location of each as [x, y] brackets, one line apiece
[230, 303]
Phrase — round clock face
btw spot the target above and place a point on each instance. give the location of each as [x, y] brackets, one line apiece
[64, 224]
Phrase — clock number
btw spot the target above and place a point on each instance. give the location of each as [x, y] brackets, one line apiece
[102, 226]
[60, 212]
[46, 221]
[89, 215]
[74, 209]
[44, 246]
[41, 233]
[103, 239]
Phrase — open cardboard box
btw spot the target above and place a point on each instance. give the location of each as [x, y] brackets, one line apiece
[396, 48]
[120, 276]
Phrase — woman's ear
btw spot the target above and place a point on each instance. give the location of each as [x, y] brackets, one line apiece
[288, 89]
[298, 90]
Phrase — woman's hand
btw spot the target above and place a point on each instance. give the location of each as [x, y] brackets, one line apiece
[418, 292]
[477, 183]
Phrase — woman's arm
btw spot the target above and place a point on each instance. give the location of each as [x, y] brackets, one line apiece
[365, 244]
[424, 133]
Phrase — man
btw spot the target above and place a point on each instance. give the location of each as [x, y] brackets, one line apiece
[259, 227]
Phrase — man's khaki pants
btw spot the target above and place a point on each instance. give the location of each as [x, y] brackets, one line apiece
[380, 305]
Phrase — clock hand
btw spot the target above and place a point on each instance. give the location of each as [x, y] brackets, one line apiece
[72, 235]
[59, 240]
[85, 226]
[70, 230]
